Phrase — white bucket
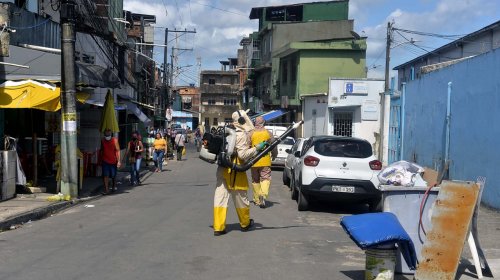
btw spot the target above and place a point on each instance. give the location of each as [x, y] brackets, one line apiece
[380, 264]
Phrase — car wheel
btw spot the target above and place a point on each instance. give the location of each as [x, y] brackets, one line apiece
[302, 201]
[293, 189]
[375, 206]
[286, 180]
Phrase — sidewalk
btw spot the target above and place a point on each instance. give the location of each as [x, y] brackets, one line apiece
[29, 207]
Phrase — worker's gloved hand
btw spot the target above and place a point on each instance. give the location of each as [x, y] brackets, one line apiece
[261, 146]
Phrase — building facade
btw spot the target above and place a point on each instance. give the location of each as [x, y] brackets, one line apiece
[220, 97]
[295, 52]
[104, 60]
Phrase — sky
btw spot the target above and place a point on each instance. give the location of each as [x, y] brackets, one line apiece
[221, 24]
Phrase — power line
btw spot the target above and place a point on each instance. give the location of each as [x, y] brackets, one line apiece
[178, 11]
[429, 34]
[216, 8]
[29, 27]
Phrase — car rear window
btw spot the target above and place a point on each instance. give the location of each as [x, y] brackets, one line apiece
[343, 148]
[288, 141]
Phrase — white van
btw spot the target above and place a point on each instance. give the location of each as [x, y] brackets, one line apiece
[287, 143]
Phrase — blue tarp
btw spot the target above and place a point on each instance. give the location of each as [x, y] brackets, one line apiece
[269, 116]
[372, 230]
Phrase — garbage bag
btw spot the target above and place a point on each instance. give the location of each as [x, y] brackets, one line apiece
[401, 173]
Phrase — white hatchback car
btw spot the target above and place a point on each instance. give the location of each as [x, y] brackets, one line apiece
[334, 168]
[292, 160]
[280, 159]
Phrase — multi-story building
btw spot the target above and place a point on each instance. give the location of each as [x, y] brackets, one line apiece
[31, 50]
[297, 49]
[186, 106]
[219, 96]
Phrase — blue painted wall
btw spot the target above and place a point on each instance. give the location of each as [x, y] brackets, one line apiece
[475, 121]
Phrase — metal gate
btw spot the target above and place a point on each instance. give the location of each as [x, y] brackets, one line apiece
[395, 130]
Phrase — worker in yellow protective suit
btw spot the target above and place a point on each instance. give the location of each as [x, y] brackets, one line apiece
[232, 183]
[261, 170]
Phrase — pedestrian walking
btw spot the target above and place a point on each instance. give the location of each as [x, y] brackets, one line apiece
[197, 138]
[180, 142]
[233, 183]
[110, 160]
[173, 133]
[261, 170]
[134, 156]
[160, 146]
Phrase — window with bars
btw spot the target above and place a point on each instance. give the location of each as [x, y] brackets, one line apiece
[216, 122]
[342, 124]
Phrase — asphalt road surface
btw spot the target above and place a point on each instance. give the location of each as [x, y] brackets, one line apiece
[162, 230]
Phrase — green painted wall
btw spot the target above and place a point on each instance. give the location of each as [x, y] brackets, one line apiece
[326, 11]
[317, 66]
[336, 10]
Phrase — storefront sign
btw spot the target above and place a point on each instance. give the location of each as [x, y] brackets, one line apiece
[355, 88]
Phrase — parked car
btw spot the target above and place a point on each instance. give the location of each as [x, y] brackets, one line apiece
[280, 159]
[275, 130]
[292, 160]
[335, 168]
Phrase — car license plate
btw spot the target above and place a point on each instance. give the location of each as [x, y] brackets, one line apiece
[345, 189]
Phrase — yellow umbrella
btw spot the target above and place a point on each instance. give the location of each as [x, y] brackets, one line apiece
[108, 119]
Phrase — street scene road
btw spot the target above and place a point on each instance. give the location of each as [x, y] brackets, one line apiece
[351, 139]
[162, 230]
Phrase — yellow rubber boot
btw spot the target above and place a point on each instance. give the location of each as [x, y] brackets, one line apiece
[256, 193]
[220, 218]
[264, 188]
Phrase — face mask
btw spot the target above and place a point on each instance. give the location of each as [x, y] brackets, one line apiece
[107, 137]
[134, 137]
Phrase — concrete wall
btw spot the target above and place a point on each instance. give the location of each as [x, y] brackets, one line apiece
[364, 105]
[475, 99]
[316, 66]
[285, 33]
[315, 109]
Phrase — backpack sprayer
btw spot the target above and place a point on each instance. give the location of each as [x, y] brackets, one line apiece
[220, 147]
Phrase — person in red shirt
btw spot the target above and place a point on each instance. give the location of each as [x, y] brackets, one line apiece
[110, 155]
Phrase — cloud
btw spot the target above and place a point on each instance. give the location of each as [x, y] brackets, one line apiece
[221, 24]
[446, 17]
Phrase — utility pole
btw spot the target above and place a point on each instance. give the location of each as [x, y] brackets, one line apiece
[386, 90]
[165, 62]
[168, 79]
[388, 55]
[69, 170]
